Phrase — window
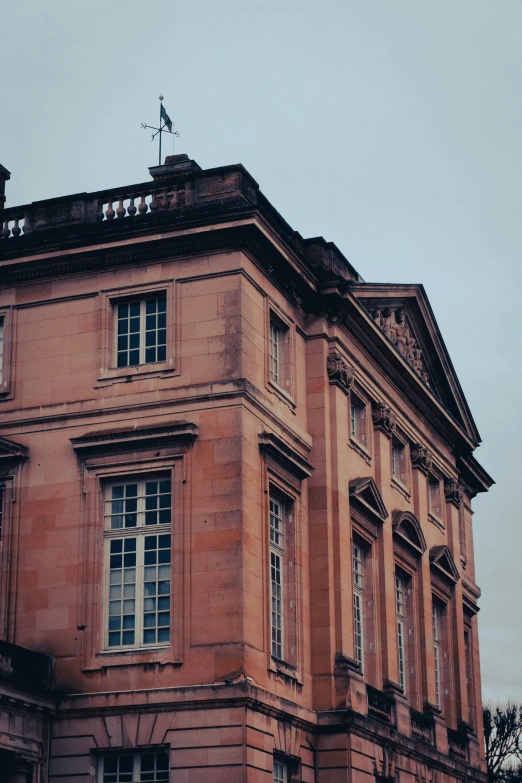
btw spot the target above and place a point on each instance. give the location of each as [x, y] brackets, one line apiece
[135, 768]
[276, 345]
[280, 772]
[141, 333]
[436, 653]
[434, 497]
[468, 650]
[400, 596]
[1, 349]
[398, 454]
[138, 552]
[357, 419]
[276, 575]
[358, 603]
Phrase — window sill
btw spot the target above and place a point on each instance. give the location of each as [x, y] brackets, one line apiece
[360, 449]
[435, 520]
[400, 487]
[284, 669]
[126, 374]
[136, 657]
[280, 392]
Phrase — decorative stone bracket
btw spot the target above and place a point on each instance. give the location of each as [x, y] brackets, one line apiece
[339, 372]
[383, 418]
[421, 458]
[453, 492]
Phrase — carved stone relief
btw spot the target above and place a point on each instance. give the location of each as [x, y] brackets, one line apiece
[339, 372]
[453, 492]
[394, 324]
[421, 457]
[383, 417]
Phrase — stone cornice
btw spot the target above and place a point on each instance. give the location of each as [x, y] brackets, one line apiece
[283, 453]
[135, 437]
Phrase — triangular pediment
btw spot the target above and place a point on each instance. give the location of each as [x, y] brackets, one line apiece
[403, 316]
[441, 559]
[407, 529]
[364, 492]
[11, 451]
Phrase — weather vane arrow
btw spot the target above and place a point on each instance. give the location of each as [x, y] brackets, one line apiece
[166, 127]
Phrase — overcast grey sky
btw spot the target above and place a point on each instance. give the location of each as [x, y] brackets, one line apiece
[390, 128]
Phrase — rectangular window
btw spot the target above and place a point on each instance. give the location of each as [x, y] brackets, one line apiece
[141, 332]
[135, 768]
[434, 497]
[2, 493]
[276, 575]
[357, 419]
[436, 653]
[398, 454]
[280, 772]
[468, 651]
[400, 593]
[276, 353]
[138, 543]
[358, 603]
[2, 321]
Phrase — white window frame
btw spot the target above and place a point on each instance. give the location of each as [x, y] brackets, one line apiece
[400, 609]
[142, 300]
[280, 771]
[139, 532]
[277, 517]
[102, 777]
[276, 352]
[434, 496]
[398, 461]
[358, 420]
[437, 618]
[358, 600]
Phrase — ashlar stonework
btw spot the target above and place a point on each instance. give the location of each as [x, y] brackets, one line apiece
[236, 482]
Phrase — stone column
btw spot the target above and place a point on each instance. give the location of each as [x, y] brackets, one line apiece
[454, 493]
[21, 772]
[384, 425]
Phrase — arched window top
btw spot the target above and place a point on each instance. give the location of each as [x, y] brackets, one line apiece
[407, 529]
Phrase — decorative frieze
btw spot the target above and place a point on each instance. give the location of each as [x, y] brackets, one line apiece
[453, 492]
[394, 323]
[339, 372]
[421, 457]
[383, 418]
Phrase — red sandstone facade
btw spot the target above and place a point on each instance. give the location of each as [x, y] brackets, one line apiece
[236, 486]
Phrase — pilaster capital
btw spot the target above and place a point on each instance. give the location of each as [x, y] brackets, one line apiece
[453, 492]
[339, 372]
[421, 457]
[383, 418]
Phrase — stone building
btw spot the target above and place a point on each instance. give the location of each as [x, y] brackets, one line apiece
[236, 501]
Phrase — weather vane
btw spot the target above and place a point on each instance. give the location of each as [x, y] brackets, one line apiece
[167, 123]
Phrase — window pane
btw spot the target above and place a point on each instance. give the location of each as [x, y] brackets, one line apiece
[122, 608]
[158, 501]
[276, 523]
[156, 624]
[128, 334]
[276, 604]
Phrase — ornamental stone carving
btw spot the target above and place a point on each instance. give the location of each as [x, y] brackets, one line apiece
[339, 372]
[383, 418]
[394, 324]
[421, 457]
[453, 492]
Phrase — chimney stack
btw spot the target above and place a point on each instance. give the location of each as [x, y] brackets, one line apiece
[4, 176]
